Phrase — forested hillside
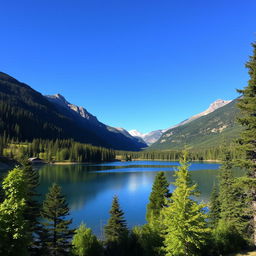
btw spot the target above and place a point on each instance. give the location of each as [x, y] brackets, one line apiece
[26, 114]
[207, 131]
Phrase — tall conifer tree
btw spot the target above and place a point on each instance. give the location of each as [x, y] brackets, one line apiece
[160, 192]
[55, 210]
[32, 212]
[184, 219]
[214, 213]
[116, 232]
[232, 204]
[247, 105]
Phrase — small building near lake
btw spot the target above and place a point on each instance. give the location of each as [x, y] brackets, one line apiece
[36, 160]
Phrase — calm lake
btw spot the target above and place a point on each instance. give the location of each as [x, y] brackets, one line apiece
[89, 188]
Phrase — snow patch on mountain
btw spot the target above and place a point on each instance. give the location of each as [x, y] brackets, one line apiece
[149, 137]
[154, 136]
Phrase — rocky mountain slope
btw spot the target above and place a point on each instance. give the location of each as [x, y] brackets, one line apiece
[149, 138]
[118, 138]
[26, 114]
[212, 129]
[154, 136]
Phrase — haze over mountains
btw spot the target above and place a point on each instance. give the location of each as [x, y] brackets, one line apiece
[154, 136]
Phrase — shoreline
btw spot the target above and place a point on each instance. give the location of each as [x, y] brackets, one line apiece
[160, 160]
[139, 159]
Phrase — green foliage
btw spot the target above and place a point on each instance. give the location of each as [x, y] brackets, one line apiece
[203, 133]
[195, 154]
[85, 243]
[233, 208]
[214, 214]
[32, 212]
[228, 212]
[26, 114]
[116, 232]
[247, 141]
[55, 210]
[160, 192]
[59, 150]
[149, 240]
[184, 219]
[225, 240]
[13, 226]
[116, 227]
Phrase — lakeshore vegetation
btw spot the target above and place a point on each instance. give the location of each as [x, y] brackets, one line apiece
[177, 224]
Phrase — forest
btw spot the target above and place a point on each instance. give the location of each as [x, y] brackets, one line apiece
[177, 224]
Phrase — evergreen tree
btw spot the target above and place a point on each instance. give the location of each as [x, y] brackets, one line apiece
[247, 105]
[55, 210]
[13, 226]
[149, 240]
[160, 192]
[232, 204]
[85, 243]
[184, 219]
[116, 232]
[214, 213]
[32, 212]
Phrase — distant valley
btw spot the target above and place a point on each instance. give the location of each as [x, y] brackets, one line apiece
[152, 137]
[27, 114]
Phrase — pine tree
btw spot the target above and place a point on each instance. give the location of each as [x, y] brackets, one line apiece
[116, 227]
[32, 212]
[160, 192]
[116, 231]
[232, 204]
[149, 241]
[228, 211]
[247, 105]
[55, 210]
[184, 219]
[13, 226]
[214, 213]
[85, 243]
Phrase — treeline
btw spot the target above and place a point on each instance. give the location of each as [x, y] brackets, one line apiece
[55, 150]
[69, 150]
[176, 223]
[174, 155]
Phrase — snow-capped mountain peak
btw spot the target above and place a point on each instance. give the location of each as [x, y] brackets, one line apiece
[136, 133]
[153, 136]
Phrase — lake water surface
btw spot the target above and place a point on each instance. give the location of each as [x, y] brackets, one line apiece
[90, 187]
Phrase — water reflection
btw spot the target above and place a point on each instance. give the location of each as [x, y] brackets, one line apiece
[90, 188]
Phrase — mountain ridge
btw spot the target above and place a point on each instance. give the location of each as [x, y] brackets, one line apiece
[153, 136]
[209, 130]
[26, 114]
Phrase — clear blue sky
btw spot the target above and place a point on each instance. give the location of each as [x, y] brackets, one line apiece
[137, 64]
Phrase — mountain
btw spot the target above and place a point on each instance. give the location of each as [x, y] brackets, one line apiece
[117, 138]
[213, 106]
[149, 137]
[136, 133]
[26, 114]
[154, 136]
[213, 127]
